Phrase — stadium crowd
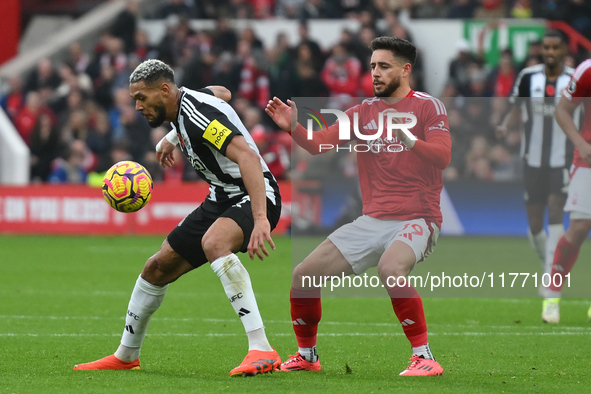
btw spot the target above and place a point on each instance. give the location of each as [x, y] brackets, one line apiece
[78, 118]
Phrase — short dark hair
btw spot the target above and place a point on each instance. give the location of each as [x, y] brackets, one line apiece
[151, 71]
[556, 34]
[399, 47]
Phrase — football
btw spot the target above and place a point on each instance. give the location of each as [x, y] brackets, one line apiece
[127, 186]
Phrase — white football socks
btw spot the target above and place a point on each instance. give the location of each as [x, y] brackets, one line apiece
[238, 288]
[424, 351]
[145, 300]
[308, 353]
[538, 242]
[555, 232]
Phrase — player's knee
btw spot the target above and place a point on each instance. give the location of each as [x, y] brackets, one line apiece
[298, 276]
[579, 230]
[154, 271]
[389, 272]
[214, 247]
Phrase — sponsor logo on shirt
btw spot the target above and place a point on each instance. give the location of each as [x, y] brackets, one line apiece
[216, 133]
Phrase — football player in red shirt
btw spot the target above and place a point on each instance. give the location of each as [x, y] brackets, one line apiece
[401, 182]
[578, 201]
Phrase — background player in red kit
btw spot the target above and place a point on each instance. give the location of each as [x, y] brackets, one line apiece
[401, 215]
[578, 202]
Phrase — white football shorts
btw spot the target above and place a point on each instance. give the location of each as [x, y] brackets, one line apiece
[578, 201]
[363, 241]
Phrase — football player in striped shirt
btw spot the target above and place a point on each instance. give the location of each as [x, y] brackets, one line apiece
[242, 208]
[547, 153]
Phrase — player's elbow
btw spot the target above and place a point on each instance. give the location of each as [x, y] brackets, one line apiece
[221, 92]
[445, 161]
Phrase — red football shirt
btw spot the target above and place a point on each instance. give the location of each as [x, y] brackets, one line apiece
[395, 183]
[579, 87]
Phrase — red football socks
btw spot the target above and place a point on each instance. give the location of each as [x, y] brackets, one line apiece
[565, 257]
[408, 307]
[306, 312]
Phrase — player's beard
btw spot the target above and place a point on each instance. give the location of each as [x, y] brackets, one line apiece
[159, 117]
[388, 89]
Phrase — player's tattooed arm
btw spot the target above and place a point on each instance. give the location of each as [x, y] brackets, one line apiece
[221, 92]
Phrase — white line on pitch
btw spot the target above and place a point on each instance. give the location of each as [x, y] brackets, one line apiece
[335, 323]
[335, 334]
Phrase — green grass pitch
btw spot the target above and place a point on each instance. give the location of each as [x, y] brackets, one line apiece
[63, 301]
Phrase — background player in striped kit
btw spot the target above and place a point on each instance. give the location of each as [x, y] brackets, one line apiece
[547, 153]
[242, 208]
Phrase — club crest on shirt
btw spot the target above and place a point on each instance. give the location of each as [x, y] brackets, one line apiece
[572, 86]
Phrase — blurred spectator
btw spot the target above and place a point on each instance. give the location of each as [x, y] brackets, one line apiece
[503, 76]
[121, 103]
[504, 165]
[114, 54]
[14, 99]
[76, 126]
[142, 47]
[26, 119]
[249, 36]
[477, 162]
[136, 131]
[74, 102]
[70, 167]
[125, 25]
[490, 9]
[180, 38]
[462, 9]
[315, 53]
[282, 74]
[254, 81]
[77, 59]
[224, 38]
[459, 67]
[431, 9]
[580, 16]
[314, 9]
[175, 7]
[341, 72]
[521, 9]
[72, 81]
[262, 9]
[226, 72]
[103, 86]
[532, 60]
[309, 82]
[98, 140]
[44, 148]
[240, 9]
[43, 77]
[289, 9]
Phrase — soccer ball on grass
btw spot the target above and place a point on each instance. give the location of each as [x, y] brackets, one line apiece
[127, 186]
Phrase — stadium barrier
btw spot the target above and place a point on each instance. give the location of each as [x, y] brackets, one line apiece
[14, 154]
[81, 209]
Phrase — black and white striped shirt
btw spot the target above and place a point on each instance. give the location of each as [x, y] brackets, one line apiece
[207, 124]
[543, 144]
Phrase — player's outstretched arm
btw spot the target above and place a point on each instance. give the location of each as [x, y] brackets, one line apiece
[165, 149]
[252, 175]
[221, 92]
[284, 115]
[510, 121]
[564, 117]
